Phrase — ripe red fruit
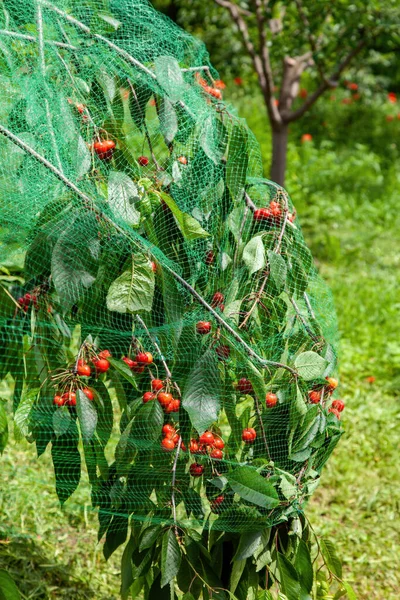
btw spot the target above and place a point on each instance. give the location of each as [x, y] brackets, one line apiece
[147, 396]
[58, 400]
[141, 357]
[314, 396]
[218, 298]
[306, 137]
[338, 405]
[194, 446]
[219, 443]
[143, 161]
[153, 266]
[69, 398]
[203, 327]
[149, 357]
[164, 399]
[207, 438]
[157, 385]
[83, 370]
[88, 393]
[175, 438]
[104, 354]
[244, 386]
[216, 503]
[168, 430]
[196, 470]
[102, 365]
[335, 412]
[275, 209]
[104, 149]
[216, 453]
[262, 214]
[80, 107]
[210, 257]
[136, 367]
[249, 435]
[223, 352]
[271, 400]
[332, 384]
[182, 160]
[128, 361]
[173, 406]
[167, 444]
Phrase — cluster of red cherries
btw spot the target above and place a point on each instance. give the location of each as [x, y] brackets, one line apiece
[316, 396]
[159, 391]
[26, 300]
[271, 213]
[208, 443]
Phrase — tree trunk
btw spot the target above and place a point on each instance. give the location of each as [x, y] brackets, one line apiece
[279, 152]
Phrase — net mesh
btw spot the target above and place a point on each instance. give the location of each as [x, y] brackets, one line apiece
[170, 331]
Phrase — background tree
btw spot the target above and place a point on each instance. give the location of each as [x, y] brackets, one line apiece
[282, 40]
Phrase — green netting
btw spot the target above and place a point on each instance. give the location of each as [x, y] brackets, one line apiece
[137, 200]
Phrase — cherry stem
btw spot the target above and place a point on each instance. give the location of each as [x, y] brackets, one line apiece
[173, 483]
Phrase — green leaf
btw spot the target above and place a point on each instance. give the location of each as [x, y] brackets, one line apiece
[213, 138]
[248, 544]
[148, 423]
[254, 254]
[8, 589]
[288, 485]
[7, 306]
[123, 370]
[110, 20]
[237, 161]
[3, 427]
[134, 289]
[330, 557]
[149, 537]
[278, 269]
[87, 416]
[310, 365]
[67, 463]
[21, 416]
[289, 578]
[61, 420]
[236, 573]
[349, 590]
[188, 225]
[122, 196]
[126, 568]
[201, 396]
[169, 76]
[303, 566]
[170, 557]
[254, 488]
[168, 120]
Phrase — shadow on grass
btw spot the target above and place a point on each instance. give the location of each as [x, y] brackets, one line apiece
[39, 576]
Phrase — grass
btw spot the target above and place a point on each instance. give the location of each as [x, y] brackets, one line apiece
[351, 224]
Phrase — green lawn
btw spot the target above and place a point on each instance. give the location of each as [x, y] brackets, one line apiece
[351, 223]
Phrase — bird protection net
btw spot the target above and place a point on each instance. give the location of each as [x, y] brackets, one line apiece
[169, 332]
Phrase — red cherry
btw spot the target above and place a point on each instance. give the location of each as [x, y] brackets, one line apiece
[153, 266]
[203, 327]
[88, 393]
[314, 396]
[210, 257]
[104, 354]
[168, 430]
[244, 386]
[306, 137]
[196, 470]
[143, 161]
[175, 438]
[271, 400]
[173, 406]
[147, 396]
[58, 400]
[69, 398]
[104, 149]
[194, 446]
[141, 357]
[182, 160]
[164, 399]
[218, 298]
[83, 370]
[218, 454]
[262, 214]
[338, 405]
[219, 443]
[128, 361]
[136, 368]
[149, 357]
[207, 438]
[102, 365]
[249, 435]
[157, 385]
[223, 352]
[80, 107]
[335, 412]
[167, 444]
[216, 503]
[332, 384]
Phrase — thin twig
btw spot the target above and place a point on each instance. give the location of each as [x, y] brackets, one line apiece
[258, 410]
[308, 304]
[31, 38]
[304, 322]
[173, 482]
[90, 203]
[249, 202]
[156, 346]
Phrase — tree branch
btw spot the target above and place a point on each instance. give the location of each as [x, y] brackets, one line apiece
[331, 82]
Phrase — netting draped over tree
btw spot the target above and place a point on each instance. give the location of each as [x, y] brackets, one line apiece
[172, 332]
